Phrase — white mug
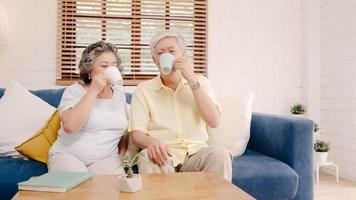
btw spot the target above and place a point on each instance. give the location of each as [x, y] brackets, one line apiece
[114, 75]
[166, 62]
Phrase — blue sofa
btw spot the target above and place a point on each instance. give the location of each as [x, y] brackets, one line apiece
[277, 164]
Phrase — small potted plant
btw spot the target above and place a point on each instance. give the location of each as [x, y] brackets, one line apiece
[316, 131]
[298, 110]
[316, 127]
[130, 182]
[321, 149]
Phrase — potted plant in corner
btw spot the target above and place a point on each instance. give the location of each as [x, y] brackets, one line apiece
[298, 110]
[316, 131]
[316, 127]
[321, 149]
[130, 182]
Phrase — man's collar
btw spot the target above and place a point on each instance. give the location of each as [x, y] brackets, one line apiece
[159, 84]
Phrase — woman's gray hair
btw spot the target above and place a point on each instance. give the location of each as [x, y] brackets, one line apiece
[91, 53]
[164, 34]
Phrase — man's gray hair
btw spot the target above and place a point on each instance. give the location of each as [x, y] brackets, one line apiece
[165, 34]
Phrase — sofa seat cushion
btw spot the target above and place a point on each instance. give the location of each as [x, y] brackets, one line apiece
[264, 177]
[14, 170]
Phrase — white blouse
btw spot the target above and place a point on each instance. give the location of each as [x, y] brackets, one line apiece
[99, 137]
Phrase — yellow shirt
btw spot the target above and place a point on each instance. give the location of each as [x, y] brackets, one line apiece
[170, 116]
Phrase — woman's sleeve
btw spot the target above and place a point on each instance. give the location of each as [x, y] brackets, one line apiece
[69, 99]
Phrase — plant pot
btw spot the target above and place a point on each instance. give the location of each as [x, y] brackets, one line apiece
[298, 115]
[321, 157]
[133, 184]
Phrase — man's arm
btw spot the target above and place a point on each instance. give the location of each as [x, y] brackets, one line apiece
[157, 150]
[123, 144]
[206, 106]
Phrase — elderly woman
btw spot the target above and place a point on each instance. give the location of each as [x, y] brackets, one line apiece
[94, 118]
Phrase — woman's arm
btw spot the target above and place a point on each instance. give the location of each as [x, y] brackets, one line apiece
[74, 118]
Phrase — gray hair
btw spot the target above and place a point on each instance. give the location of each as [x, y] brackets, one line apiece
[92, 52]
[165, 34]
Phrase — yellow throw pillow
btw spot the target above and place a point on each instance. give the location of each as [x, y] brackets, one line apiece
[38, 145]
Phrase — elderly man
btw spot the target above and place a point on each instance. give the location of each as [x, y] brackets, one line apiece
[170, 113]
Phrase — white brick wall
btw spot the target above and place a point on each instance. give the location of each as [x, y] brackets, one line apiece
[254, 46]
[338, 82]
[28, 54]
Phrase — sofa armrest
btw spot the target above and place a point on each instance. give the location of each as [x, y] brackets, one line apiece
[288, 139]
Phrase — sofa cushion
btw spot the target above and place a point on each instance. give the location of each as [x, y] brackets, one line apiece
[14, 170]
[38, 145]
[18, 107]
[233, 131]
[51, 96]
[264, 177]
[2, 90]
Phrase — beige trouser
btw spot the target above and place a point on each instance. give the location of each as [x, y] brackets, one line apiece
[215, 159]
[67, 162]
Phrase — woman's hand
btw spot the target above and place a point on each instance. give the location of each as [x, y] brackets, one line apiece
[159, 152]
[98, 83]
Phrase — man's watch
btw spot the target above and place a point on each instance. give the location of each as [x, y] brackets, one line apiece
[195, 85]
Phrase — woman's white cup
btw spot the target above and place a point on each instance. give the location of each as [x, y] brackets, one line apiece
[166, 62]
[114, 75]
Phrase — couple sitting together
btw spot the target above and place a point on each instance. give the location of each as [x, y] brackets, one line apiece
[168, 118]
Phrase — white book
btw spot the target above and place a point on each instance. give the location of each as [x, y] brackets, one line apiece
[55, 181]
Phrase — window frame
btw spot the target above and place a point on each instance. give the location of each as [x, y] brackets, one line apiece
[67, 61]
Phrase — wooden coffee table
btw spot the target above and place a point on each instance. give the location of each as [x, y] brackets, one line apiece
[186, 185]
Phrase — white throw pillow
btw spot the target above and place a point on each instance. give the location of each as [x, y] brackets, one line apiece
[233, 131]
[22, 114]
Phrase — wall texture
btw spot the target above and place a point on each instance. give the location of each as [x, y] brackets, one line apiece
[338, 82]
[256, 46]
[28, 53]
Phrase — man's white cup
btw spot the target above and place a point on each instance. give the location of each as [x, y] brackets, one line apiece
[114, 75]
[166, 62]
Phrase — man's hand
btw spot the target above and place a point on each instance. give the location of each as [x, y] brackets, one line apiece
[159, 153]
[185, 66]
[157, 150]
[123, 145]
